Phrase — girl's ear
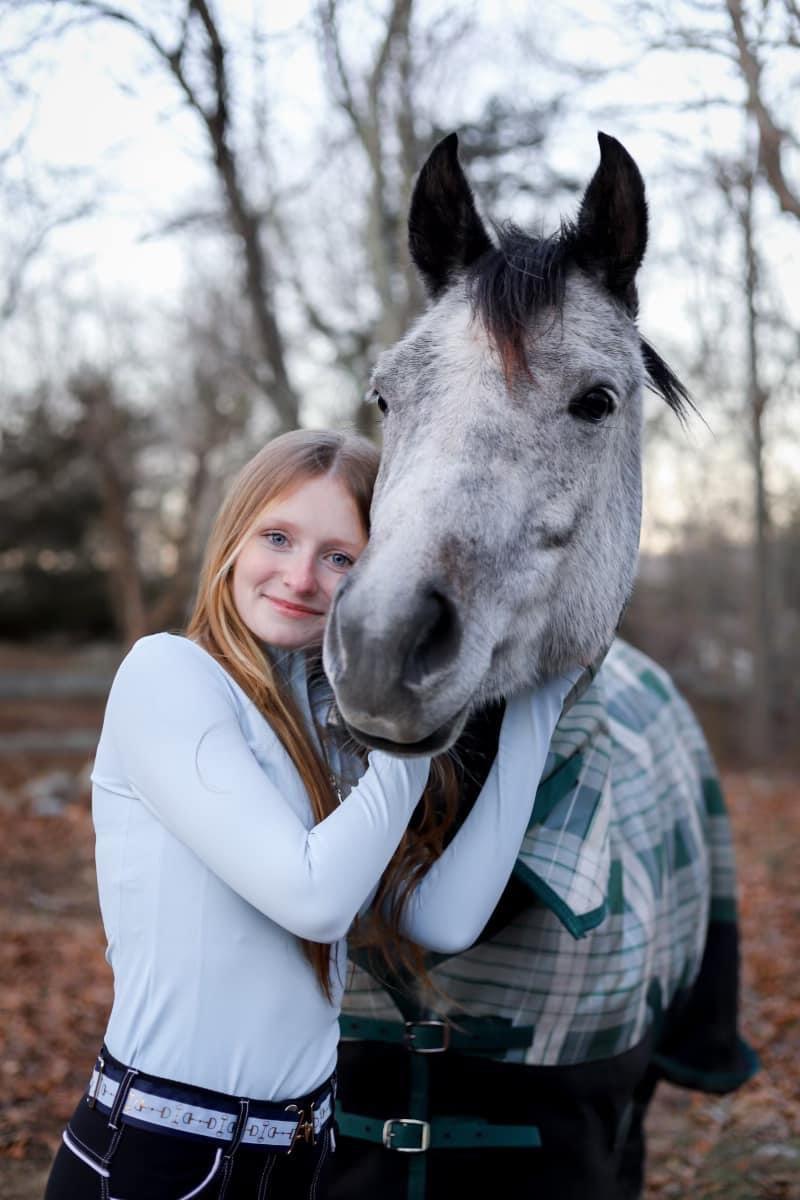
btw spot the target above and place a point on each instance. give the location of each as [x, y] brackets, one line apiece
[445, 233]
[611, 232]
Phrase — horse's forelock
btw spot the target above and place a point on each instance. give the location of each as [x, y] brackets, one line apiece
[522, 275]
[511, 282]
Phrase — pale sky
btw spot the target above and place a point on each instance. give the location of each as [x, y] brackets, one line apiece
[149, 157]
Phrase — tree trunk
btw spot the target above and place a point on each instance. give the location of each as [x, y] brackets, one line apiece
[102, 432]
[760, 731]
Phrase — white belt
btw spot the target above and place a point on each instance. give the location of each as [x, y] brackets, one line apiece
[207, 1122]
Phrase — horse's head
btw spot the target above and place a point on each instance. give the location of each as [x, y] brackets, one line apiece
[505, 523]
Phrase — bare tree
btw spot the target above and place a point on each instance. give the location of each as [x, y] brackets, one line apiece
[774, 139]
[32, 212]
[392, 117]
[738, 185]
[749, 38]
[29, 246]
[160, 476]
[356, 292]
[760, 41]
[196, 59]
[380, 108]
[105, 431]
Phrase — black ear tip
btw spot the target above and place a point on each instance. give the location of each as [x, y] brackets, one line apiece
[447, 147]
[610, 146]
[442, 164]
[613, 151]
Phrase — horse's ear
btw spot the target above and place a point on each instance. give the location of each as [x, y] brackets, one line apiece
[612, 221]
[445, 232]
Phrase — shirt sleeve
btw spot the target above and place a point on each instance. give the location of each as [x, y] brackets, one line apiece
[452, 903]
[173, 721]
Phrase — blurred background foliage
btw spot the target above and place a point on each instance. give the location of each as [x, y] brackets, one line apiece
[203, 242]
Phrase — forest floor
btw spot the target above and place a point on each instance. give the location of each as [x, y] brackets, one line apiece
[56, 987]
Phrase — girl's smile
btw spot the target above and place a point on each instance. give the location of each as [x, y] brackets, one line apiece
[294, 610]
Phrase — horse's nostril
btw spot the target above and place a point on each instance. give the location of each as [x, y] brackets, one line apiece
[436, 640]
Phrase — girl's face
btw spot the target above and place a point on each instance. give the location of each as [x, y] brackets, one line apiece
[287, 571]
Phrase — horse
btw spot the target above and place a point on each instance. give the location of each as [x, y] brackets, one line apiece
[503, 547]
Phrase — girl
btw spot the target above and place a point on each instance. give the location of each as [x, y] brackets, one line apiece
[236, 844]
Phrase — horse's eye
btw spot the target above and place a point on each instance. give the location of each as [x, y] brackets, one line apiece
[593, 406]
[379, 400]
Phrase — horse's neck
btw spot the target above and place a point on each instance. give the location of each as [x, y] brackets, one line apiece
[476, 750]
[474, 753]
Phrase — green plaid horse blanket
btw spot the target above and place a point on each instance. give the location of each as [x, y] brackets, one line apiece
[629, 860]
[629, 853]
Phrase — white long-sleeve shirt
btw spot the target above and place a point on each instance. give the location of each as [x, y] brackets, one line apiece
[210, 868]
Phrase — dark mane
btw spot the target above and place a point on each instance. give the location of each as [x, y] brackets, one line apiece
[521, 274]
[665, 383]
[514, 279]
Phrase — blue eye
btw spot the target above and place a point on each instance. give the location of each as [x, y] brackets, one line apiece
[340, 561]
[279, 540]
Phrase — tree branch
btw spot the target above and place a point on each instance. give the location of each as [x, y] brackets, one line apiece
[771, 136]
[245, 223]
[16, 274]
[337, 69]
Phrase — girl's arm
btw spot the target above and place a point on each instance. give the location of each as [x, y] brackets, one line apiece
[172, 719]
[452, 903]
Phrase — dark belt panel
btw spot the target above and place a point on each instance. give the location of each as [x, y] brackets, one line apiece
[415, 1132]
[588, 1117]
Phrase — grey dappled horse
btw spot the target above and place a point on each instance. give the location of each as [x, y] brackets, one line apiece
[505, 523]
[505, 531]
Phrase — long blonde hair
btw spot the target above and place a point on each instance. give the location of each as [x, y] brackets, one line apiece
[217, 626]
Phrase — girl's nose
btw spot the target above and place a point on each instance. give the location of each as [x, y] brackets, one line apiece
[300, 575]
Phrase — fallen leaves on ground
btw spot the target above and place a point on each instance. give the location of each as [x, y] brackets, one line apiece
[746, 1146]
[57, 994]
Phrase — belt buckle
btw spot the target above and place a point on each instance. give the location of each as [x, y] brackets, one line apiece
[388, 1135]
[304, 1128]
[410, 1036]
[91, 1099]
